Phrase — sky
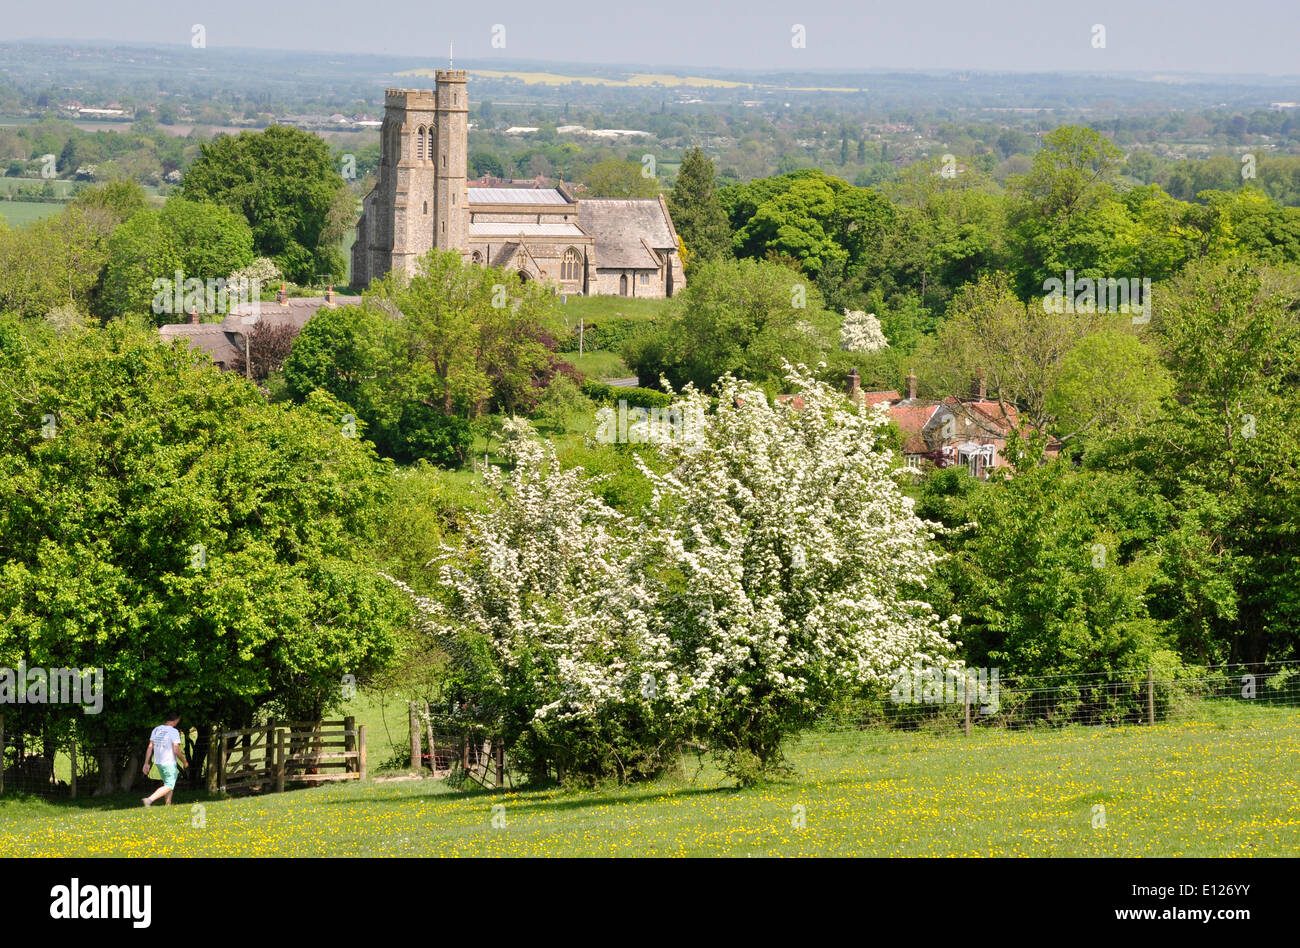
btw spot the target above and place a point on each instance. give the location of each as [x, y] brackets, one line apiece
[1176, 36]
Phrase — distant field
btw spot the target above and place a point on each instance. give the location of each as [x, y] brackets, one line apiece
[633, 79]
[1224, 784]
[18, 213]
[62, 188]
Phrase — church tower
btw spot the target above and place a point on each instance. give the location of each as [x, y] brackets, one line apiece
[451, 222]
[406, 182]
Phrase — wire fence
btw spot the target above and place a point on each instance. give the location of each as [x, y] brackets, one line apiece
[931, 698]
[918, 700]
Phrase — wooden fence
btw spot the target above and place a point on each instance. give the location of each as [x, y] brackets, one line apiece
[291, 752]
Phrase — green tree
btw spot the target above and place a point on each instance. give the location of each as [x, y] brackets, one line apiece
[1019, 348]
[484, 162]
[1052, 571]
[743, 317]
[286, 185]
[697, 215]
[1065, 214]
[1111, 380]
[1223, 453]
[616, 178]
[198, 239]
[419, 360]
[223, 565]
[55, 262]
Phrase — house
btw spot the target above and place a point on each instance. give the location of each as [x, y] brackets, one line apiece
[971, 431]
[226, 342]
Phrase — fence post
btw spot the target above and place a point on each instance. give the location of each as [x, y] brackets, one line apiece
[72, 781]
[499, 748]
[279, 762]
[966, 696]
[1151, 696]
[212, 760]
[268, 753]
[415, 738]
[221, 764]
[428, 736]
[349, 743]
[361, 752]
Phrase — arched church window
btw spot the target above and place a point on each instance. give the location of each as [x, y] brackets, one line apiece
[419, 143]
[571, 265]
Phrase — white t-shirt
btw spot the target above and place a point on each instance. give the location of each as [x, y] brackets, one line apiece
[164, 738]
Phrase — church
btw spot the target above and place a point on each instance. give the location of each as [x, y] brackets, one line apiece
[423, 200]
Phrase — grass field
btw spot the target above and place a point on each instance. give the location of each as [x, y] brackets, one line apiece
[1226, 783]
[599, 365]
[18, 213]
[62, 188]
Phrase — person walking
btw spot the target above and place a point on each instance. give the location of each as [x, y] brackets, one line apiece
[165, 750]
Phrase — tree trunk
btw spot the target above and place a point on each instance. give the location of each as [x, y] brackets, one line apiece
[107, 770]
[132, 772]
[198, 757]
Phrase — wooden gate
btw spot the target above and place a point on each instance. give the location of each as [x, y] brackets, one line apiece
[266, 758]
[320, 752]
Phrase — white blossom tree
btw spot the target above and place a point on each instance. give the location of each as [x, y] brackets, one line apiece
[778, 567]
[861, 332]
[558, 625]
[787, 564]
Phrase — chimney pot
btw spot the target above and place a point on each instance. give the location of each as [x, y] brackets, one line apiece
[282, 296]
[979, 389]
[329, 295]
[194, 315]
[855, 384]
[911, 384]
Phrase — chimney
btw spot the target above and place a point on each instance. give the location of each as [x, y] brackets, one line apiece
[979, 389]
[911, 384]
[329, 296]
[282, 297]
[194, 315]
[855, 384]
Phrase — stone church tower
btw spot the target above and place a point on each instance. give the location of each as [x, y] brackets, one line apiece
[419, 201]
[422, 201]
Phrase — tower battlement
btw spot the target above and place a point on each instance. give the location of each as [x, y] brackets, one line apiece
[410, 98]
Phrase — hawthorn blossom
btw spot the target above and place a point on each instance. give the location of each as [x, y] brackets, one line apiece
[861, 332]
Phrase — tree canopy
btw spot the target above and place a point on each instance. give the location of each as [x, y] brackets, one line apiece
[286, 185]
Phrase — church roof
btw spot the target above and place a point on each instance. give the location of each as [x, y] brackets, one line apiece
[529, 229]
[516, 196]
[625, 229]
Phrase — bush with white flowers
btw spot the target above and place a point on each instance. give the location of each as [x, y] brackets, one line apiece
[778, 567]
[785, 565]
[546, 623]
[861, 332]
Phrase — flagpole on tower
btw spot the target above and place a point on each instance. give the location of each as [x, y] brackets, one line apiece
[451, 53]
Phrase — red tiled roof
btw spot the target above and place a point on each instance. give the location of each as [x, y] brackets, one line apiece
[911, 420]
[875, 398]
